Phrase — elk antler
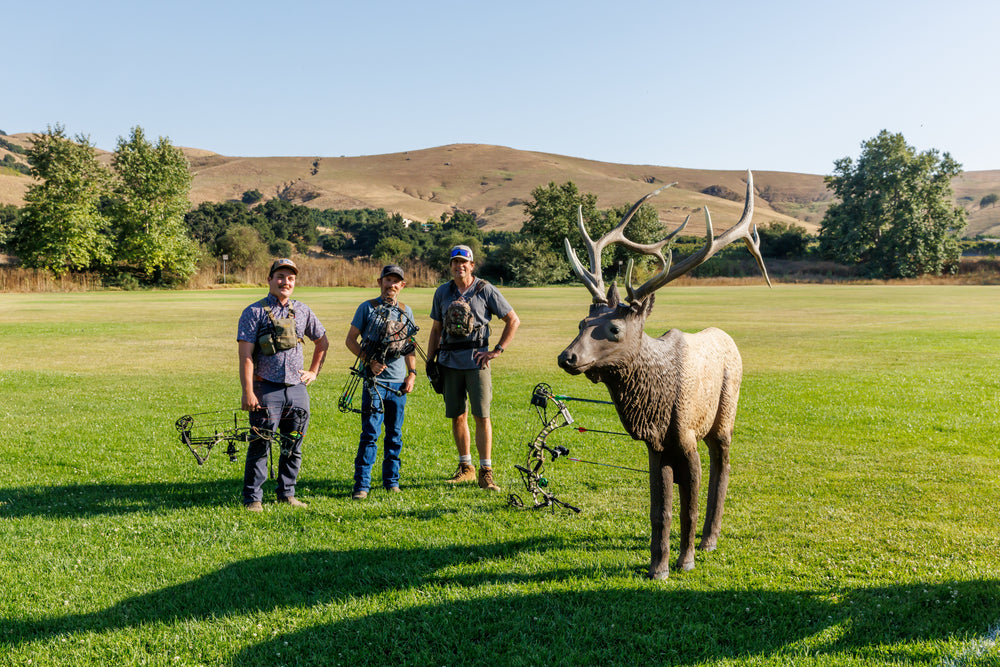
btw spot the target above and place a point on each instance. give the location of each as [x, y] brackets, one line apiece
[744, 229]
[592, 279]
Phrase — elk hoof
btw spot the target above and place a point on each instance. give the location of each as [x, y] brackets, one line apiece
[707, 545]
[658, 574]
[685, 566]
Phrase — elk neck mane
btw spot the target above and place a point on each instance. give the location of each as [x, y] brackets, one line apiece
[644, 388]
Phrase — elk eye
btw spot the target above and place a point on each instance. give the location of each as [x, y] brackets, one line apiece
[614, 331]
[582, 323]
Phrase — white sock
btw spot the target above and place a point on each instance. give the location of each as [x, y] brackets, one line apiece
[467, 459]
[485, 463]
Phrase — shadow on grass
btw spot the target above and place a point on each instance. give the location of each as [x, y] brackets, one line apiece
[87, 500]
[497, 624]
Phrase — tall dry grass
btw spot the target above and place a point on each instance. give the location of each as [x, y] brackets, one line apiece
[316, 272]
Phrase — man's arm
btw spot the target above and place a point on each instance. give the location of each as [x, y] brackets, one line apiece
[249, 400]
[435, 339]
[322, 344]
[510, 324]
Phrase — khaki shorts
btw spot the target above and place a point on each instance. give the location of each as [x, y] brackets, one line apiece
[477, 384]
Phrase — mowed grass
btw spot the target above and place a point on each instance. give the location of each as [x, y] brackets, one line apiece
[861, 526]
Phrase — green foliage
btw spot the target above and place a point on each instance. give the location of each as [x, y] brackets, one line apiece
[9, 217]
[783, 240]
[147, 207]
[989, 200]
[243, 245]
[10, 162]
[12, 147]
[251, 197]
[392, 249]
[895, 215]
[552, 216]
[333, 243]
[61, 228]
[527, 263]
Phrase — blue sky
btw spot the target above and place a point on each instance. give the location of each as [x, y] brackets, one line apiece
[787, 86]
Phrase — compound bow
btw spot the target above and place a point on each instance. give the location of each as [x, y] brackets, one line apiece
[390, 334]
[202, 431]
[533, 470]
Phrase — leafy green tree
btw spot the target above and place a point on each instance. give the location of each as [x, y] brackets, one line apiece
[553, 214]
[527, 262]
[783, 240]
[392, 249]
[9, 217]
[895, 215]
[243, 245]
[61, 227]
[149, 200]
[989, 200]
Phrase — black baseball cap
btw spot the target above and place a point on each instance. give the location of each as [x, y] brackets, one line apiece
[392, 270]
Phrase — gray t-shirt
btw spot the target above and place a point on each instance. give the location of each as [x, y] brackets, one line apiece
[485, 303]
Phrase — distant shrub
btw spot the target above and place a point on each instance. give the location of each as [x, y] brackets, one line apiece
[722, 192]
[251, 197]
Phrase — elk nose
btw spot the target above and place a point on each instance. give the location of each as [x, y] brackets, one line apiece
[567, 359]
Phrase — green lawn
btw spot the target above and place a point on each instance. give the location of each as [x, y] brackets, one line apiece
[861, 524]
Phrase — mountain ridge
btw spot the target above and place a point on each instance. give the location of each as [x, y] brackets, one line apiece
[494, 182]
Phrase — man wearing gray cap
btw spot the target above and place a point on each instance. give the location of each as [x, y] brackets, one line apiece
[390, 374]
[269, 335]
[460, 337]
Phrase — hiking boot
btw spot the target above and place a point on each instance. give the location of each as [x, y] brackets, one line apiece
[293, 501]
[393, 489]
[359, 495]
[486, 480]
[255, 506]
[465, 473]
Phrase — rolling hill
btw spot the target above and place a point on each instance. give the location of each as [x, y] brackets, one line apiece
[493, 182]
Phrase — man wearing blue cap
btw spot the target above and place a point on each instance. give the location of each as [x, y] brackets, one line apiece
[392, 374]
[460, 337]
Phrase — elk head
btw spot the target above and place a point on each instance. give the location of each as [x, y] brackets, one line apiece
[610, 334]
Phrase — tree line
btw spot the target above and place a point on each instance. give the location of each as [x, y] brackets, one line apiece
[132, 221]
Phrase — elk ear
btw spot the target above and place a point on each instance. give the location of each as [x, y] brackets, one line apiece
[644, 306]
[614, 298]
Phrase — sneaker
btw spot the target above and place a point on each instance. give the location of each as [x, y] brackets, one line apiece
[359, 495]
[465, 473]
[255, 506]
[293, 501]
[486, 480]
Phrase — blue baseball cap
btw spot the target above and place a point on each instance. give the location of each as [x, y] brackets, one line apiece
[461, 252]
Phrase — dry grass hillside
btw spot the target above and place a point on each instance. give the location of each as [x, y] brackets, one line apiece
[494, 182]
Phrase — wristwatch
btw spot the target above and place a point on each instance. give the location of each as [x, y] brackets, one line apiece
[412, 371]
[498, 348]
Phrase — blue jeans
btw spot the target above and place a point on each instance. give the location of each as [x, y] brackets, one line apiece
[274, 398]
[372, 421]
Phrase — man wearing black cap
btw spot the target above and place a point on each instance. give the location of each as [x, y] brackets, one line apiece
[383, 400]
[273, 381]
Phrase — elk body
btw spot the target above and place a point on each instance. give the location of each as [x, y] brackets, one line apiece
[670, 392]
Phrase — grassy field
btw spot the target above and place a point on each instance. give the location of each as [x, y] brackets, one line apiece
[861, 526]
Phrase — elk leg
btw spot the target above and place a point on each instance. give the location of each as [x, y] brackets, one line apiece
[687, 474]
[661, 489]
[718, 484]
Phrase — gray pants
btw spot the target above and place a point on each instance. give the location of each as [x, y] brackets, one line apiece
[276, 399]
